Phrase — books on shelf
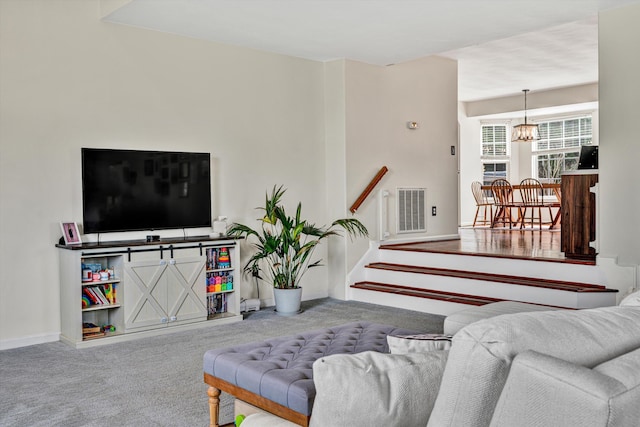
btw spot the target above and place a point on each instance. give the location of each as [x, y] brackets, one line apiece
[91, 330]
[218, 258]
[98, 295]
[216, 304]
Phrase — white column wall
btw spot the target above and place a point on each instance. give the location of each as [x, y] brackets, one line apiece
[619, 154]
[334, 91]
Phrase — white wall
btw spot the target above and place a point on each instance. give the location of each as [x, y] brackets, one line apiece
[619, 68]
[379, 103]
[367, 110]
[334, 90]
[68, 80]
[470, 167]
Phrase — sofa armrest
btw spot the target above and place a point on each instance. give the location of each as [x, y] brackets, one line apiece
[544, 390]
[372, 388]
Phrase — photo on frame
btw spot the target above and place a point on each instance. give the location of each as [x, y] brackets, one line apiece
[70, 233]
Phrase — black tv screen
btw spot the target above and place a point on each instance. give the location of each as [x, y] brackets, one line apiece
[128, 190]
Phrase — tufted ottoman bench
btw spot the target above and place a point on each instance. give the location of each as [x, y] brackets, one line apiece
[276, 375]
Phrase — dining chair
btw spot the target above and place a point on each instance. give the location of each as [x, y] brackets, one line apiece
[482, 201]
[531, 192]
[557, 204]
[503, 199]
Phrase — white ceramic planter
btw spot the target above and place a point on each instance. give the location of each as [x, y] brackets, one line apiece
[287, 301]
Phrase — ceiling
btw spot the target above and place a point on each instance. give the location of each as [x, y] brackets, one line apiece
[503, 46]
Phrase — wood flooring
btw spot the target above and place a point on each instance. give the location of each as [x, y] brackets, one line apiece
[542, 245]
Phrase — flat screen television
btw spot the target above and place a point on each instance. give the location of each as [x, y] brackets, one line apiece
[129, 190]
[588, 157]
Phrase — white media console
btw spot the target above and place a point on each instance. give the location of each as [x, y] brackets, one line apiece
[123, 290]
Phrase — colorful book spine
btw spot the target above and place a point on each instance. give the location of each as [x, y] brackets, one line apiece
[218, 258]
[98, 291]
[217, 304]
[94, 299]
[99, 295]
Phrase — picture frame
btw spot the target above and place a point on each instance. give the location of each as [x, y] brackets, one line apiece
[70, 233]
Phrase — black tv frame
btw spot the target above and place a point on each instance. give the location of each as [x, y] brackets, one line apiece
[135, 190]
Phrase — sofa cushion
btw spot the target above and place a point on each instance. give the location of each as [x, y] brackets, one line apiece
[456, 321]
[403, 344]
[542, 390]
[624, 407]
[631, 299]
[378, 389]
[482, 352]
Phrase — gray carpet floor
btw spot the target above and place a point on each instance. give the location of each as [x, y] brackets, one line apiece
[155, 381]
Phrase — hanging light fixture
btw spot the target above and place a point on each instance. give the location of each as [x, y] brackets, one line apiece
[525, 132]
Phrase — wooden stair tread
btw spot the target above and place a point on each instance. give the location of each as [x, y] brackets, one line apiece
[491, 277]
[451, 247]
[425, 293]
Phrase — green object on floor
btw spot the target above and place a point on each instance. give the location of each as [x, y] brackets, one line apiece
[239, 419]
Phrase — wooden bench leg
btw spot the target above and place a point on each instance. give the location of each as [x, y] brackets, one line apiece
[214, 406]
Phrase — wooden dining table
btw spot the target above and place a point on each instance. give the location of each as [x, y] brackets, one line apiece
[548, 186]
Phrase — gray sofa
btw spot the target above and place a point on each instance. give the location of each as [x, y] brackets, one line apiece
[549, 368]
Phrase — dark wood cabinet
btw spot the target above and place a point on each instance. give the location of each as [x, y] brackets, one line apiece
[578, 215]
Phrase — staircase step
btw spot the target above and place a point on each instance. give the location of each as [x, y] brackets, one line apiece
[491, 277]
[425, 293]
[452, 247]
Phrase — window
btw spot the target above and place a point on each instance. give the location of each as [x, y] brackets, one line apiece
[495, 153]
[558, 149]
[494, 140]
[493, 171]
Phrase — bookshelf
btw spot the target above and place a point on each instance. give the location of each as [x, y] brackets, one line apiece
[118, 291]
[100, 299]
[219, 281]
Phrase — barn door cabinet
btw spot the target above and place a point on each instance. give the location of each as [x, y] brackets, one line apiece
[145, 288]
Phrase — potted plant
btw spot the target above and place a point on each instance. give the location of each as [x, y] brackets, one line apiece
[284, 248]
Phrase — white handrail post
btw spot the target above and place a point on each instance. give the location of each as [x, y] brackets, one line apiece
[383, 214]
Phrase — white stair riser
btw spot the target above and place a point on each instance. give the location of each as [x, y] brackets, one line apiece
[492, 289]
[423, 305]
[505, 266]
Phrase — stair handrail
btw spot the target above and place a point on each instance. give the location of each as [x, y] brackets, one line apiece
[365, 193]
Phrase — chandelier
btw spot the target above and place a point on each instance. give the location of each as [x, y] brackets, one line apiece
[525, 132]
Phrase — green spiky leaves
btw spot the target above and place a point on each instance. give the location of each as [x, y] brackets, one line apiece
[284, 245]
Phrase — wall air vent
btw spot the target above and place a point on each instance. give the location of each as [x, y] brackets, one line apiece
[411, 210]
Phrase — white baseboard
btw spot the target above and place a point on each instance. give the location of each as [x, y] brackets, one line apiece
[30, 340]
